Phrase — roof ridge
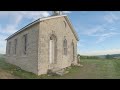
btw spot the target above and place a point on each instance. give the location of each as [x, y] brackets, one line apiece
[37, 21]
[26, 26]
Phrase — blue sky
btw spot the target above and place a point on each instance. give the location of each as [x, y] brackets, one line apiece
[99, 31]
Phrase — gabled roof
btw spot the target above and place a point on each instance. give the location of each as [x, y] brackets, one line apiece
[22, 29]
[42, 19]
[71, 26]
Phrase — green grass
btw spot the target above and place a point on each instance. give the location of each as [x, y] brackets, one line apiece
[95, 69]
[92, 69]
[16, 71]
[102, 69]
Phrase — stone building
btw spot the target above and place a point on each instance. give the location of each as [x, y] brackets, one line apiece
[43, 45]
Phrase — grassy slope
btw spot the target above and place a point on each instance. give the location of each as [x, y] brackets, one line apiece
[102, 69]
[96, 69]
[16, 71]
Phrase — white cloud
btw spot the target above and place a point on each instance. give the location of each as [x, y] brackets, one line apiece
[15, 17]
[104, 36]
[93, 31]
[34, 15]
[111, 18]
[66, 11]
[101, 32]
[2, 50]
[2, 44]
[27, 14]
[78, 51]
[97, 29]
[80, 44]
[9, 29]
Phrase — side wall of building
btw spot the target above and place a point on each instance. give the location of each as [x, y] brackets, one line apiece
[28, 62]
[60, 28]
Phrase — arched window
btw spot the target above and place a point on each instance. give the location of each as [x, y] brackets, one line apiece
[9, 48]
[53, 49]
[25, 41]
[65, 46]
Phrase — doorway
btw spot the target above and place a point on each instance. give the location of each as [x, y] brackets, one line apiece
[52, 51]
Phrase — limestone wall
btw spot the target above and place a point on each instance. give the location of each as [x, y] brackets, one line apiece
[29, 61]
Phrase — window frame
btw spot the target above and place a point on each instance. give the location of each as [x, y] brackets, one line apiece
[25, 40]
[15, 46]
[65, 47]
[9, 48]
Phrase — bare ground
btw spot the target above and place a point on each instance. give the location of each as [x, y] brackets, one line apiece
[6, 75]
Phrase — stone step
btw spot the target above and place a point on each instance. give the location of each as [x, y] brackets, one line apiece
[61, 72]
[58, 71]
[55, 69]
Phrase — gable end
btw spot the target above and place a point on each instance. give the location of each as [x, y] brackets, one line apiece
[71, 26]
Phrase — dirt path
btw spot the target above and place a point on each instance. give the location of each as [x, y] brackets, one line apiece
[95, 70]
[5, 75]
[85, 72]
[111, 69]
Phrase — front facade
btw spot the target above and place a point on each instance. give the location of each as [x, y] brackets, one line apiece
[47, 43]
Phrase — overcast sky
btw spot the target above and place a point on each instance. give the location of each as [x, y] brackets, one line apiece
[99, 31]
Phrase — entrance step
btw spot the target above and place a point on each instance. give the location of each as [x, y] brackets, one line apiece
[62, 72]
[57, 71]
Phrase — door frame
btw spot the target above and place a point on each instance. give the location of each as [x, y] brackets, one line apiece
[52, 46]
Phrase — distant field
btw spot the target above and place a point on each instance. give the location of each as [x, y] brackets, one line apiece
[92, 69]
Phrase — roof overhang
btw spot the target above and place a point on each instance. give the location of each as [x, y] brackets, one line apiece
[67, 19]
[42, 19]
[73, 30]
[27, 26]
[51, 17]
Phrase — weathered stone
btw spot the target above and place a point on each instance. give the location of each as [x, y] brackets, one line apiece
[37, 58]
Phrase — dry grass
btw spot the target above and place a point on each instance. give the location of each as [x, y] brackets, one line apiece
[5, 75]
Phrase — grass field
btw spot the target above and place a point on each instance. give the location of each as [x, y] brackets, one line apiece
[92, 69]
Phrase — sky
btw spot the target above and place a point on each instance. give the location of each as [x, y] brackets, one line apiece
[98, 31]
